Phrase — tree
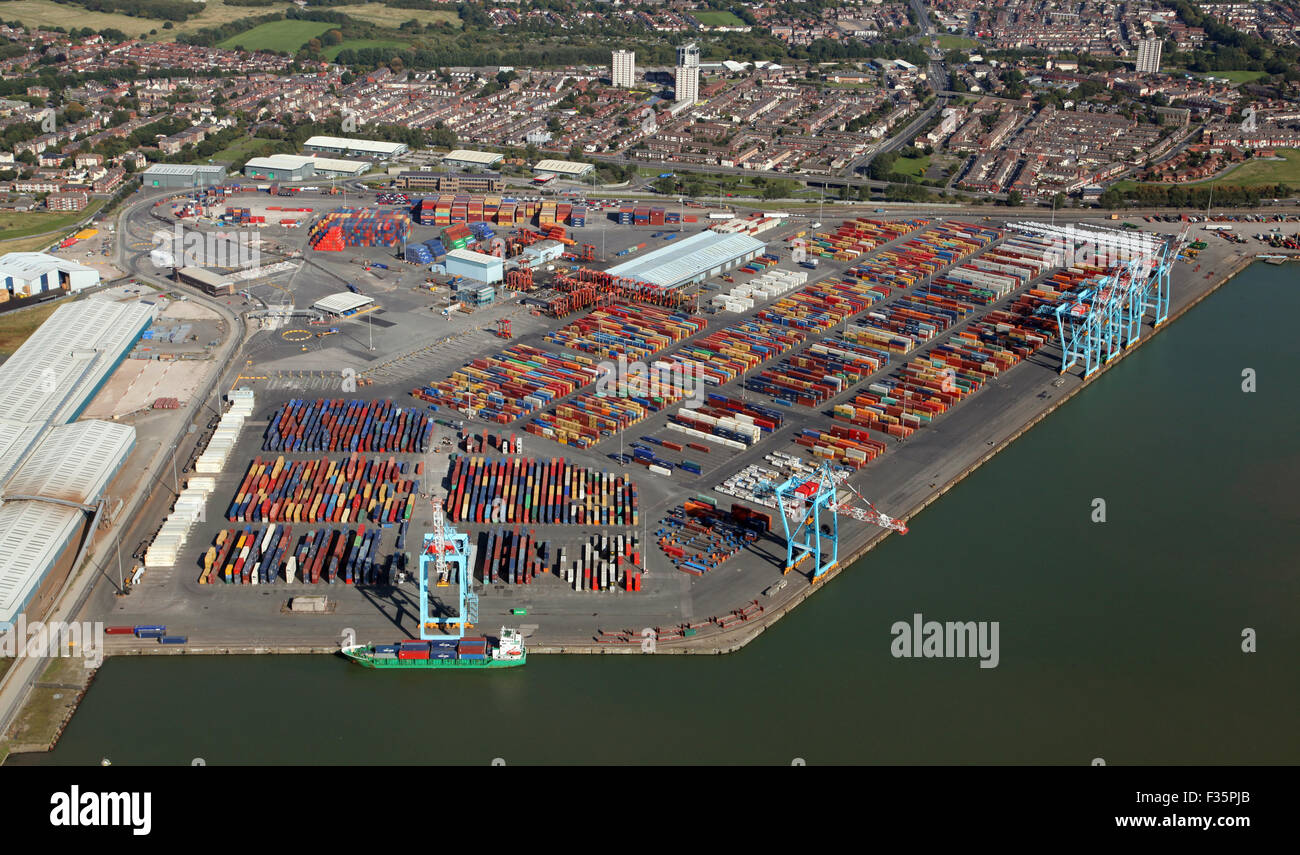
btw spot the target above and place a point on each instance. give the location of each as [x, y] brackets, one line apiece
[882, 165]
[1110, 198]
[778, 188]
[1015, 199]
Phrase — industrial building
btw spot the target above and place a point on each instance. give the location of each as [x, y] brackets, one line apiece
[47, 503]
[562, 168]
[349, 147]
[463, 158]
[451, 182]
[26, 274]
[344, 304]
[542, 252]
[209, 281]
[693, 259]
[475, 265]
[47, 382]
[52, 377]
[623, 69]
[296, 167]
[182, 175]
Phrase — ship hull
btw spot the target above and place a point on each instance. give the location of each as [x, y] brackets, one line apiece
[365, 657]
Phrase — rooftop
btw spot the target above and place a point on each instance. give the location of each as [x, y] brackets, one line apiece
[58, 369]
[563, 167]
[211, 278]
[29, 265]
[342, 302]
[482, 158]
[74, 463]
[297, 161]
[356, 144]
[685, 259]
[472, 256]
[183, 169]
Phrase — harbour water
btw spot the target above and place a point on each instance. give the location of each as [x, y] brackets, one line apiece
[1119, 640]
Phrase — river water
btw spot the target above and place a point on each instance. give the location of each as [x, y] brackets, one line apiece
[1119, 640]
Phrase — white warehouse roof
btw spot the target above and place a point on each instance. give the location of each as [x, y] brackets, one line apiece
[297, 161]
[480, 258]
[29, 266]
[376, 146]
[684, 260]
[56, 372]
[563, 167]
[74, 463]
[342, 302]
[480, 158]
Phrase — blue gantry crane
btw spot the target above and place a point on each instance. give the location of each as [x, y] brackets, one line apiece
[806, 500]
[445, 553]
[1098, 320]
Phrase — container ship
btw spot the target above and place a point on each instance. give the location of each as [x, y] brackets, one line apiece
[508, 652]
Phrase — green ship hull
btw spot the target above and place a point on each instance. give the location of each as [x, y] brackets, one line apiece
[364, 655]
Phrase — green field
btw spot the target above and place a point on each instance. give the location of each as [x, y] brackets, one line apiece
[948, 41]
[46, 13]
[16, 327]
[286, 36]
[16, 225]
[1257, 171]
[241, 149]
[359, 44]
[378, 13]
[914, 166]
[717, 19]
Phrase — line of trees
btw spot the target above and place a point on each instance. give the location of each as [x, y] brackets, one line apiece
[1192, 196]
[163, 10]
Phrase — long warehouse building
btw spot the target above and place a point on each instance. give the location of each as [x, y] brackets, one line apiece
[691, 260]
[353, 147]
[47, 383]
[40, 518]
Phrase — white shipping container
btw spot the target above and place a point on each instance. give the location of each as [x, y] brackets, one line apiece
[659, 470]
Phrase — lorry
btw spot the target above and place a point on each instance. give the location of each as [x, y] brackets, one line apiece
[811, 264]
